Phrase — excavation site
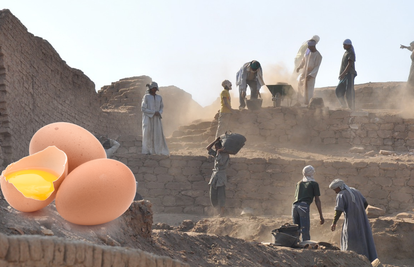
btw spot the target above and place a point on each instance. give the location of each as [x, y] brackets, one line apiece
[171, 221]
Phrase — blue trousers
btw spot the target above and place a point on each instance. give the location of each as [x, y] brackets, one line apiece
[300, 216]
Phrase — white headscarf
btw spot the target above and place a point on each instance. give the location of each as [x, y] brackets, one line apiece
[316, 38]
[338, 183]
[308, 173]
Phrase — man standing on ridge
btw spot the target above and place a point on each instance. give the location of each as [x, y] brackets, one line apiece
[410, 80]
[306, 190]
[153, 140]
[347, 75]
[310, 64]
[302, 52]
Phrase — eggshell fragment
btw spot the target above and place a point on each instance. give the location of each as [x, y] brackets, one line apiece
[50, 159]
[96, 192]
[78, 143]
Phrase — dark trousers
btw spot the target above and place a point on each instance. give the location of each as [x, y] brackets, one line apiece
[218, 196]
[346, 89]
[254, 92]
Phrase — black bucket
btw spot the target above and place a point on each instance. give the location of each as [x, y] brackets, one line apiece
[287, 235]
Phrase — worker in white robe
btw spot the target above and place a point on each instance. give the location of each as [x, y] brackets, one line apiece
[153, 140]
[303, 50]
[310, 65]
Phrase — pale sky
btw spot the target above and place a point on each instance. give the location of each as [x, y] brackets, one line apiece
[195, 44]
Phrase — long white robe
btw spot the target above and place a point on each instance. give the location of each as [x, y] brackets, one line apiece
[310, 64]
[153, 140]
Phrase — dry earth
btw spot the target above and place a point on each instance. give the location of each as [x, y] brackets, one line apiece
[234, 240]
[229, 241]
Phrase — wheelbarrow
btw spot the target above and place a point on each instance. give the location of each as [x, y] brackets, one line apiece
[281, 91]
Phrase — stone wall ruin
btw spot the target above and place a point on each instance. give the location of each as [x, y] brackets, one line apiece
[37, 87]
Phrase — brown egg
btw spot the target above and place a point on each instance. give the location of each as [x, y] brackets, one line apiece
[96, 192]
[79, 144]
[31, 183]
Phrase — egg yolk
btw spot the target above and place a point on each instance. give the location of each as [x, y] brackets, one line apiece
[35, 184]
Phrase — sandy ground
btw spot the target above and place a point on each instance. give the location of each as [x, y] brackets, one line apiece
[237, 240]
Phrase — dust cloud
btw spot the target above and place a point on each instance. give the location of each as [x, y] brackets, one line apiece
[406, 100]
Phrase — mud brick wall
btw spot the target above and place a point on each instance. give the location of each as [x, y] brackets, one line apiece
[37, 87]
[368, 95]
[44, 251]
[179, 184]
[323, 126]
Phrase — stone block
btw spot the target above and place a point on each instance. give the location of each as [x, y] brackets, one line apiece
[178, 163]
[328, 141]
[376, 141]
[146, 170]
[348, 172]
[160, 170]
[4, 246]
[164, 178]
[202, 201]
[193, 193]
[146, 177]
[384, 133]
[382, 181]
[158, 192]
[191, 171]
[371, 127]
[175, 171]
[400, 135]
[326, 170]
[388, 166]
[401, 196]
[257, 167]
[400, 128]
[369, 171]
[178, 185]
[165, 163]
[325, 134]
[359, 164]
[194, 163]
[374, 212]
[339, 114]
[172, 209]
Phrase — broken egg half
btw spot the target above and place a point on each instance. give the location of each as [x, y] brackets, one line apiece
[31, 183]
[96, 192]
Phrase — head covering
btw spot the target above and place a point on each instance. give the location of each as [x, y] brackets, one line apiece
[338, 183]
[311, 43]
[254, 65]
[226, 84]
[347, 42]
[316, 38]
[308, 173]
[152, 85]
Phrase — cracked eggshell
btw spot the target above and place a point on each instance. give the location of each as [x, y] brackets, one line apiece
[50, 159]
[78, 143]
[96, 192]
